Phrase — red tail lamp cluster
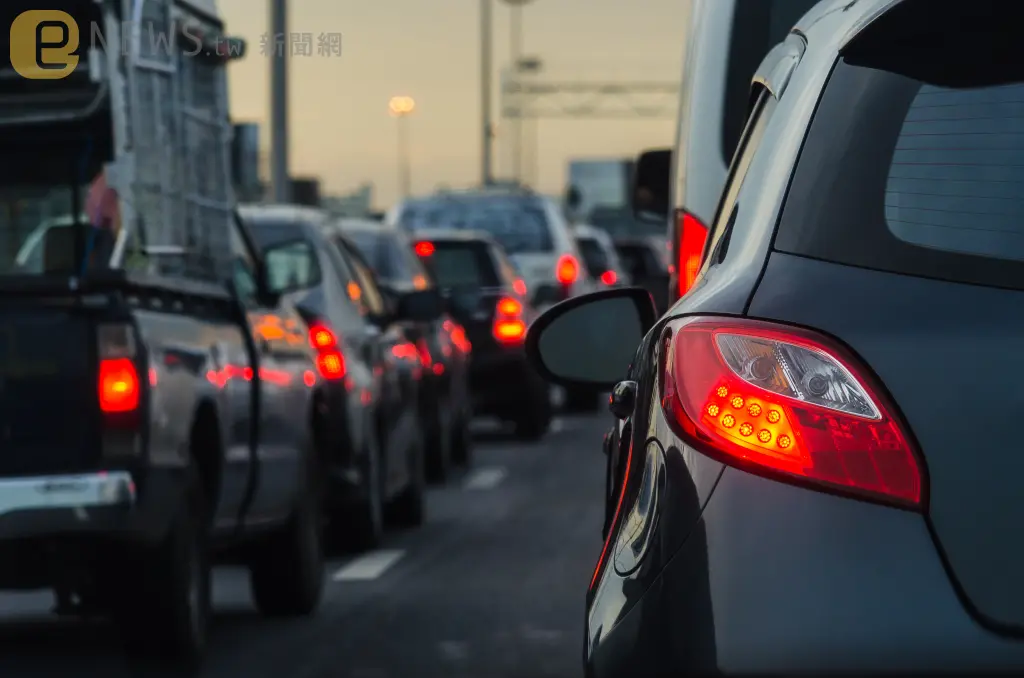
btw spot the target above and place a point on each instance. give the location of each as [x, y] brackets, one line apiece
[789, 403]
[330, 362]
[509, 327]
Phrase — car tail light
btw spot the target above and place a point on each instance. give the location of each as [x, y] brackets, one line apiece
[423, 352]
[119, 387]
[567, 270]
[424, 249]
[692, 236]
[330, 361]
[519, 285]
[509, 327]
[791, 404]
[609, 278]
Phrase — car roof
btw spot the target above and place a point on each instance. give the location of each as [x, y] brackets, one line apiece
[282, 213]
[454, 235]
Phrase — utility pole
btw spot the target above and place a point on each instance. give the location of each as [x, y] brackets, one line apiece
[487, 118]
[515, 40]
[280, 178]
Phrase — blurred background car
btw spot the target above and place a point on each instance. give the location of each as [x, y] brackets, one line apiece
[485, 296]
[529, 227]
[646, 261]
[369, 425]
[445, 401]
[599, 256]
[725, 42]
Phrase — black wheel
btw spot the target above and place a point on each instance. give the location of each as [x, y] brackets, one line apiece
[439, 447]
[360, 526]
[462, 442]
[582, 401]
[286, 574]
[162, 596]
[533, 421]
[409, 508]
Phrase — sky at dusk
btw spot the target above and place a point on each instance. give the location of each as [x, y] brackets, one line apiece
[429, 50]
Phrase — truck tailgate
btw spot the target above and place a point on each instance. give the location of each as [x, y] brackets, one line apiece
[49, 417]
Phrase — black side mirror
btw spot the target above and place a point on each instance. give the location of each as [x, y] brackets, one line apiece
[588, 342]
[652, 185]
[421, 306]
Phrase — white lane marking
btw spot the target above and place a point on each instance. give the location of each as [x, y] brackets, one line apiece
[368, 567]
[485, 478]
[557, 425]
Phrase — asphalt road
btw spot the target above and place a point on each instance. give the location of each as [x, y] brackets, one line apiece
[491, 587]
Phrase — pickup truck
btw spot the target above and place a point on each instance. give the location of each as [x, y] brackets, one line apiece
[150, 428]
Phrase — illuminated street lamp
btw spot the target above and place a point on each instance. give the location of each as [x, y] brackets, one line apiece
[401, 108]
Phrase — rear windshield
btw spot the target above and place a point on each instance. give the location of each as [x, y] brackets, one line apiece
[387, 253]
[462, 264]
[640, 260]
[519, 224]
[913, 172]
[757, 26]
[594, 256]
[294, 265]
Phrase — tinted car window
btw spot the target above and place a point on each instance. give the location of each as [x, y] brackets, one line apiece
[519, 224]
[370, 245]
[594, 256]
[462, 264]
[757, 26]
[292, 265]
[915, 178]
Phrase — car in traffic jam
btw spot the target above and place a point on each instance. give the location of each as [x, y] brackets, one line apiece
[745, 403]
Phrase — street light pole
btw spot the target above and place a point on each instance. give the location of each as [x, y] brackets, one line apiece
[401, 108]
[279, 175]
[486, 68]
[515, 43]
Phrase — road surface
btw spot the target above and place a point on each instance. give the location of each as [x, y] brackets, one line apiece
[491, 587]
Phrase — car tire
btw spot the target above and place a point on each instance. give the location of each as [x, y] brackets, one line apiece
[286, 574]
[462, 442]
[162, 596]
[581, 401]
[439, 447]
[534, 421]
[360, 526]
[409, 509]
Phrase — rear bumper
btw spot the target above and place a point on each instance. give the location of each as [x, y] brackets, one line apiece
[102, 503]
[779, 580]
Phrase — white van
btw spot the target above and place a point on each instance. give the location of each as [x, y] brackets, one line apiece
[725, 43]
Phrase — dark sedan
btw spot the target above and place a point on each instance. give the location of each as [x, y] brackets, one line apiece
[447, 412]
[369, 426]
[485, 295]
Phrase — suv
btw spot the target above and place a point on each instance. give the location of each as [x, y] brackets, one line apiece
[486, 297]
[529, 227]
[726, 41]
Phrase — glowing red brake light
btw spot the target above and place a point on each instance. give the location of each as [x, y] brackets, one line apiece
[424, 249]
[520, 287]
[119, 388]
[692, 236]
[330, 362]
[609, 278]
[567, 270]
[509, 327]
[790, 404]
